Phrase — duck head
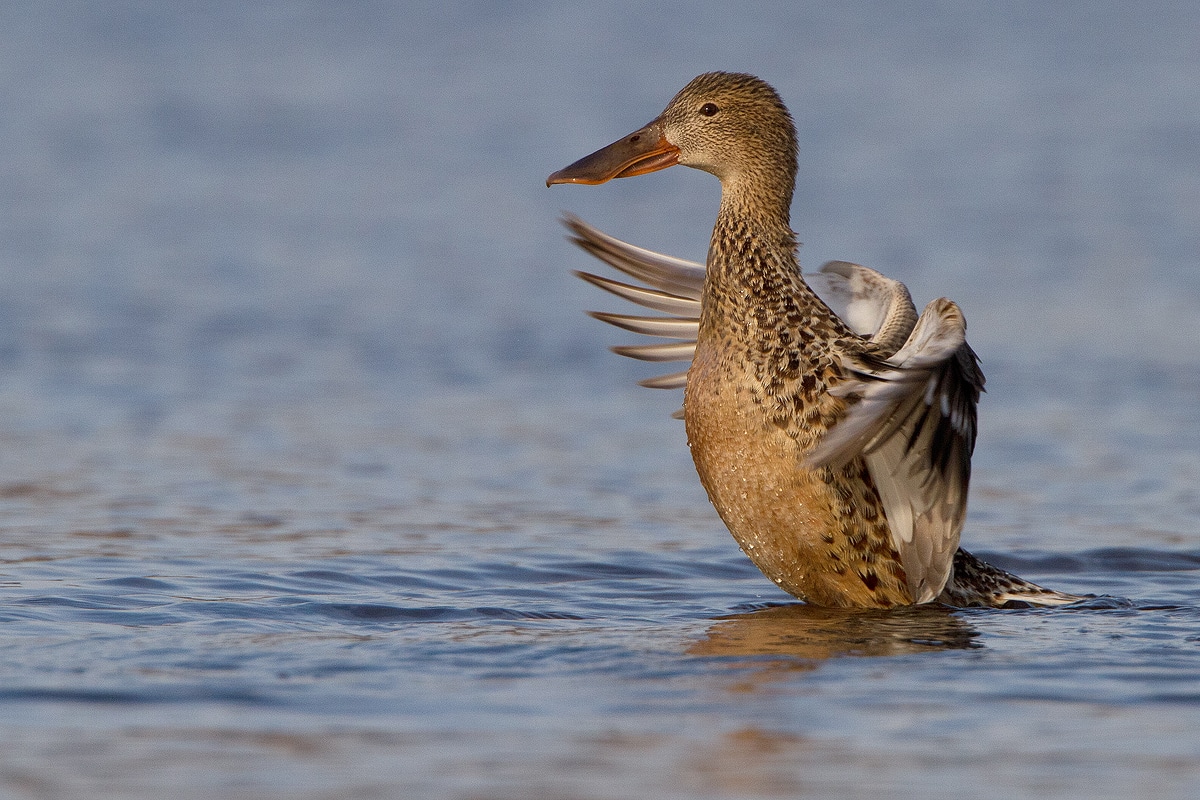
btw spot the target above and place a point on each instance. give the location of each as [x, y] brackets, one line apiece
[732, 125]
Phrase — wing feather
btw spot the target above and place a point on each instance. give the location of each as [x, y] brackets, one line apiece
[676, 276]
[874, 306]
[681, 351]
[647, 298]
[912, 418]
[669, 327]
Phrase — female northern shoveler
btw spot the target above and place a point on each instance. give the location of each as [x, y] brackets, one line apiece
[835, 446]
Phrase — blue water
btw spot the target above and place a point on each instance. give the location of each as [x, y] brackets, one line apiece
[315, 482]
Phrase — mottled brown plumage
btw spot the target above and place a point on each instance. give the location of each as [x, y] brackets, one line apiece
[757, 397]
[837, 454]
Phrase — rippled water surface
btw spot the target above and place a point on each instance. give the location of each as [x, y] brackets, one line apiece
[315, 482]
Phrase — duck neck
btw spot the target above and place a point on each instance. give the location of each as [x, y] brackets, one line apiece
[752, 256]
[753, 290]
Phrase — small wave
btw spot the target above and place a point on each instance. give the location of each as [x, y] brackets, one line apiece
[133, 697]
[377, 612]
[1103, 559]
[1129, 559]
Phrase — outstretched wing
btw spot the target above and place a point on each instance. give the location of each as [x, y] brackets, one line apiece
[912, 417]
[874, 306]
[677, 287]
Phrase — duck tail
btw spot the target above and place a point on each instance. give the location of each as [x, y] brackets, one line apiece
[975, 583]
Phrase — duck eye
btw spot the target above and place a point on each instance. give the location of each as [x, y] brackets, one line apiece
[709, 110]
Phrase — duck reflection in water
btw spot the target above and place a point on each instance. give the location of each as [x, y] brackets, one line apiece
[816, 633]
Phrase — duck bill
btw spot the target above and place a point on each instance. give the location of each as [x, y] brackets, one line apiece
[642, 151]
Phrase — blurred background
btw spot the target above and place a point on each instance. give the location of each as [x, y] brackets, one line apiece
[206, 195]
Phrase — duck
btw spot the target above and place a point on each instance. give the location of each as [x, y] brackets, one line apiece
[831, 425]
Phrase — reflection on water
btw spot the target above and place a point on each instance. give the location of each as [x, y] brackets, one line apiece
[800, 631]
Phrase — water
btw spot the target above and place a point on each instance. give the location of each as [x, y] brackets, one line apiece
[315, 481]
